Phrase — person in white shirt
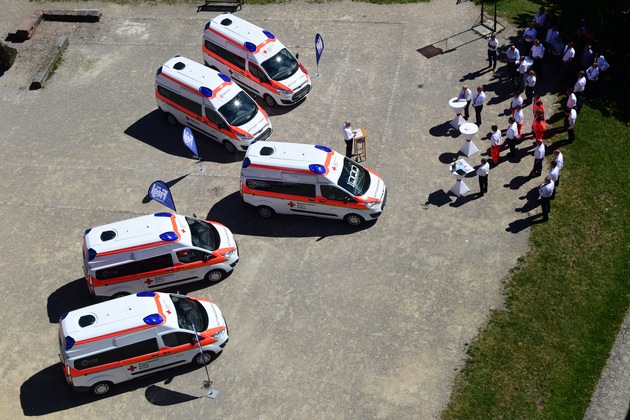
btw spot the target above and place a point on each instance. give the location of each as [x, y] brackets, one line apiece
[465, 95]
[571, 99]
[552, 37]
[512, 136]
[493, 45]
[540, 18]
[592, 73]
[496, 142]
[568, 54]
[601, 62]
[587, 59]
[571, 117]
[559, 159]
[578, 90]
[512, 56]
[522, 69]
[482, 174]
[519, 119]
[539, 156]
[537, 53]
[516, 100]
[554, 175]
[529, 35]
[546, 190]
[348, 137]
[477, 102]
[530, 83]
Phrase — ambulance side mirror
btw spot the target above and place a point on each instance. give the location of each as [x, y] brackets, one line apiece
[297, 56]
[207, 257]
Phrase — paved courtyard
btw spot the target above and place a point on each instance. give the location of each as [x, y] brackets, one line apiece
[325, 321]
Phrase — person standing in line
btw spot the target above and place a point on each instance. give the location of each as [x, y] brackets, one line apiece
[512, 136]
[559, 159]
[570, 123]
[529, 34]
[516, 101]
[477, 103]
[530, 84]
[552, 36]
[519, 118]
[578, 90]
[554, 173]
[587, 58]
[537, 53]
[538, 128]
[539, 156]
[540, 19]
[513, 55]
[592, 74]
[545, 190]
[493, 45]
[496, 142]
[571, 99]
[602, 64]
[568, 54]
[538, 106]
[348, 137]
[482, 174]
[465, 95]
[521, 69]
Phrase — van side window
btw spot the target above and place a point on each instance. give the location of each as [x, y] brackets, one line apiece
[333, 193]
[116, 355]
[178, 338]
[228, 56]
[214, 118]
[178, 99]
[188, 256]
[290, 188]
[257, 72]
[136, 267]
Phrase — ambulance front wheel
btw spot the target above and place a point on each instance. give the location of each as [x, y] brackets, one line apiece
[101, 388]
[265, 212]
[208, 357]
[353, 219]
[269, 101]
[229, 146]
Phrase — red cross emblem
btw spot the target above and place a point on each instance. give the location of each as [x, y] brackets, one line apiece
[132, 368]
[334, 168]
[230, 71]
[264, 51]
[148, 281]
[291, 204]
[168, 311]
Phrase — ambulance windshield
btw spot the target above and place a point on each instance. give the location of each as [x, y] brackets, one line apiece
[281, 66]
[203, 235]
[189, 313]
[240, 110]
[354, 178]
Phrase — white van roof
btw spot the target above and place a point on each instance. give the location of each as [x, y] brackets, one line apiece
[201, 79]
[239, 32]
[114, 318]
[136, 233]
[292, 157]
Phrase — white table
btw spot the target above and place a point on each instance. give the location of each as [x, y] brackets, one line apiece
[468, 130]
[459, 169]
[457, 106]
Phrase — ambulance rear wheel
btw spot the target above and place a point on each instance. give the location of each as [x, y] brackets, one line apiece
[172, 120]
[119, 295]
[215, 275]
[269, 101]
[353, 219]
[265, 212]
[101, 388]
[208, 357]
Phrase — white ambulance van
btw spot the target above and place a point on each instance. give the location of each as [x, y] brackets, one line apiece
[155, 251]
[256, 60]
[193, 95]
[308, 180]
[122, 339]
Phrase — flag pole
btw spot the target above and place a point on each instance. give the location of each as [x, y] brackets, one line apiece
[208, 383]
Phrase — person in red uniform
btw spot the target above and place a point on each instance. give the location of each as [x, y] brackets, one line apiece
[539, 126]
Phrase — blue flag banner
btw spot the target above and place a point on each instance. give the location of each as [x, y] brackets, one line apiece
[319, 47]
[159, 192]
[189, 140]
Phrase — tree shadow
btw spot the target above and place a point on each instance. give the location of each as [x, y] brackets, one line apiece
[69, 297]
[47, 392]
[155, 131]
[242, 219]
